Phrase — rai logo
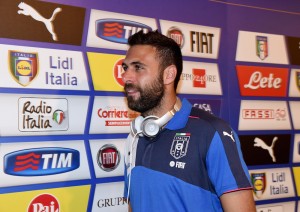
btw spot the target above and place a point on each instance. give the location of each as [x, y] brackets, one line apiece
[179, 145]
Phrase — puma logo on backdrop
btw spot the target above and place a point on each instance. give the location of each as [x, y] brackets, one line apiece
[260, 143]
[27, 10]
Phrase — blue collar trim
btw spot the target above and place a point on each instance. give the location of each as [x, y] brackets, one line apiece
[181, 117]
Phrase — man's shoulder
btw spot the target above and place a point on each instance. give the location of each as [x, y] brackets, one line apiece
[206, 116]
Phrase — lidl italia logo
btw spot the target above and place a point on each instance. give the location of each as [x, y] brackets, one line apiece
[23, 66]
[259, 183]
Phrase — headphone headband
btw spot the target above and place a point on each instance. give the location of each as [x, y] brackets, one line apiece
[150, 126]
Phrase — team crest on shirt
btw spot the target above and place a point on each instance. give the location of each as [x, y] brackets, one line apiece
[180, 145]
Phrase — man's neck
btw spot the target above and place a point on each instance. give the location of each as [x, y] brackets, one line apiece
[166, 104]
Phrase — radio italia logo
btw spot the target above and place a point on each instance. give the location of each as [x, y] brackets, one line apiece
[23, 66]
[42, 114]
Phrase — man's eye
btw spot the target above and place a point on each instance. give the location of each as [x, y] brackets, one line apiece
[138, 67]
[124, 67]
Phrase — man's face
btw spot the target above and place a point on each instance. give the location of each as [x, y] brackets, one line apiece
[144, 87]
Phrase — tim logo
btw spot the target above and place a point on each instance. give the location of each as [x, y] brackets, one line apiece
[118, 70]
[259, 183]
[177, 35]
[262, 47]
[108, 157]
[23, 66]
[199, 78]
[41, 161]
[117, 30]
[180, 145]
[44, 202]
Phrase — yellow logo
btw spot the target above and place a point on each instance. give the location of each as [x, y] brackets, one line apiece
[297, 179]
[69, 198]
[103, 69]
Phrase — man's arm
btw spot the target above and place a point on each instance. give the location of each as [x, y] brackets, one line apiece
[129, 207]
[238, 201]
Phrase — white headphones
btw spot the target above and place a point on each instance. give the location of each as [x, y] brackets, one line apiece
[150, 126]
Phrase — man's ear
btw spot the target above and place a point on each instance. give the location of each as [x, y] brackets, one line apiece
[170, 74]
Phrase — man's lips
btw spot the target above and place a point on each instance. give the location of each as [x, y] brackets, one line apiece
[131, 92]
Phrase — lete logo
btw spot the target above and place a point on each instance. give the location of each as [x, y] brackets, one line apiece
[262, 81]
[118, 31]
[41, 161]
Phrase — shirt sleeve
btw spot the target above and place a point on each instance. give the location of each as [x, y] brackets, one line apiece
[226, 167]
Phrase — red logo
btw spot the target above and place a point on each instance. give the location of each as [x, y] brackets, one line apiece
[176, 34]
[262, 81]
[44, 202]
[118, 70]
[278, 114]
[258, 114]
[108, 157]
[199, 78]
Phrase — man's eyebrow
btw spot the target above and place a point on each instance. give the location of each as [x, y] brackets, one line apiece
[137, 63]
[133, 63]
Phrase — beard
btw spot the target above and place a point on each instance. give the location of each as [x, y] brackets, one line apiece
[150, 96]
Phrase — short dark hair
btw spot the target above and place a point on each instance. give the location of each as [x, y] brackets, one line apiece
[167, 49]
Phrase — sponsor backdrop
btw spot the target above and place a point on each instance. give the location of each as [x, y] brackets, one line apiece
[64, 118]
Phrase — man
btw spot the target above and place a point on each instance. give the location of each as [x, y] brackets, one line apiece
[178, 158]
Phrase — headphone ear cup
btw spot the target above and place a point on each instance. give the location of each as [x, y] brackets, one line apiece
[149, 126]
[135, 125]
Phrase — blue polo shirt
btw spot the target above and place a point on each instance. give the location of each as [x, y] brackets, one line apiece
[193, 161]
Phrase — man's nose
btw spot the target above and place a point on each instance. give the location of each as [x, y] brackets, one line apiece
[128, 75]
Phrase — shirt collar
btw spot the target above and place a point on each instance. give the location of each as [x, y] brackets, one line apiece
[181, 117]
